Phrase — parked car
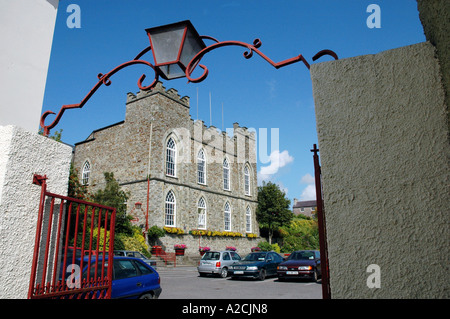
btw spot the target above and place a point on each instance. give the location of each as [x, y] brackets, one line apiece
[217, 262]
[301, 264]
[257, 265]
[132, 278]
[135, 254]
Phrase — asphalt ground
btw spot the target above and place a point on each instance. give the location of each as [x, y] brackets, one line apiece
[185, 283]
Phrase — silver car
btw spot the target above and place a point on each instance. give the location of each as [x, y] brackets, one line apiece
[217, 262]
[135, 254]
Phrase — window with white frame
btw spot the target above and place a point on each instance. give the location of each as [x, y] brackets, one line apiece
[201, 167]
[85, 173]
[247, 180]
[171, 149]
[227, 217]
[170, 210]
[248, 220]
[226, 175]
[201, 213]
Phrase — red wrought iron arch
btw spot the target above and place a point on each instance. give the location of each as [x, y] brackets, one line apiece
[105, 78]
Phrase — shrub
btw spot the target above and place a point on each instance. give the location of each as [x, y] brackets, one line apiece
[265, 246]
[134, 243]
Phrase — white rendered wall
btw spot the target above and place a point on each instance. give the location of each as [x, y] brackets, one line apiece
[26, 39]
[21, 155]
[384, 150]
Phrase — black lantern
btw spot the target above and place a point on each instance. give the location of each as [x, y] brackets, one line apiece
[173, 46]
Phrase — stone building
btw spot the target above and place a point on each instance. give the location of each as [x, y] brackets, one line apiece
[306, 207]
[190, 177]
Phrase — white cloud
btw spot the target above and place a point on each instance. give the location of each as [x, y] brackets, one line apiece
[307, 179]
[277, 161]
[309, 193]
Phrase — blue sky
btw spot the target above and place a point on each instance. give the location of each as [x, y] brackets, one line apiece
[252, 92]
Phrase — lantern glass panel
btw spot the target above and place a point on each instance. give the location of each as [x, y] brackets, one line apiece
[192, 45]
[172, 71]
[166, 44]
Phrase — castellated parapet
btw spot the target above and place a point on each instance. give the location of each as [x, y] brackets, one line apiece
[135, 150]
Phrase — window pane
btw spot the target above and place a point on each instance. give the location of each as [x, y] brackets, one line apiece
[248, 220]
[86, 172]
[227, 217]
[246, 180]
[169, 217]
[226, 175]
[144, 270]
[201, 213]
[201, 167]
[170, 157]
[124, 269]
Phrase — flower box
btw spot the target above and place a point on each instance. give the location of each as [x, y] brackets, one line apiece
[156, 250]
[179, 249]
[203, 250]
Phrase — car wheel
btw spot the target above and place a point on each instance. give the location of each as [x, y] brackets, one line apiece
[146, 296]
[262, 274]
[316, 276]
[224, 272]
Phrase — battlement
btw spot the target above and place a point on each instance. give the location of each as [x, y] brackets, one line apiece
[159, 88]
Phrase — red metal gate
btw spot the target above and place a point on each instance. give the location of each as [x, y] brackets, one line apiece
[73, 241]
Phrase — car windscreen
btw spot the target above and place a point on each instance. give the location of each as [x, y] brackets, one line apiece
[255, 257]
[211, 255]
[301, 255]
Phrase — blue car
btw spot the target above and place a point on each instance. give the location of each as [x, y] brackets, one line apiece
[132, 278]
[257, 265]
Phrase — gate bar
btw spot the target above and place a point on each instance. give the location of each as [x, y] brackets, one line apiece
[41, 181]
[48, 286]
[326, 293]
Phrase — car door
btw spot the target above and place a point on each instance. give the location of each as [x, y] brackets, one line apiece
[127, 283]
[226, 259]
[318, 265]
[271, 264]
[149, 278]
[234, 257]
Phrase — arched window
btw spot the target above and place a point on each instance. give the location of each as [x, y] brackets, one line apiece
[247, 180]
[85, 173]
[171, 150]
[170, 210]
[201, 167]
[248, 220]
[201, 213]
[226, 175]
[227, 217]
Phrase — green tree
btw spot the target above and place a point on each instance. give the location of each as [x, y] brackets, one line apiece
[113, 196]
[76, 189]
[273, 208]
[301, 233]
[56, 135]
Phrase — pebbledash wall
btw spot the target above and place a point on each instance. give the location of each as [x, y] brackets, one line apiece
[383, 139]
[135, 151]
[23, 154]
